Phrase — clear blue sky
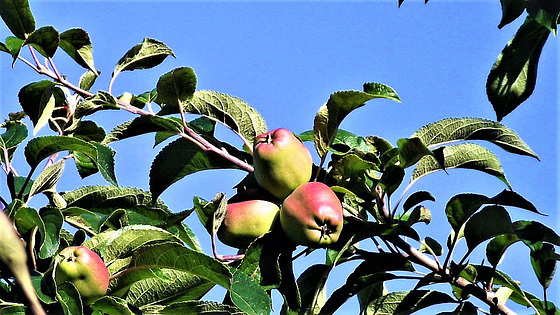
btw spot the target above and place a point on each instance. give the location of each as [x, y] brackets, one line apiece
[285, 58]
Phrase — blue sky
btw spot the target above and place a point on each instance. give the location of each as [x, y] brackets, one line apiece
[286, 58]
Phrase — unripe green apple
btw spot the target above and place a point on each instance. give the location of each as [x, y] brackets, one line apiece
[85, 270]
[281, 162]
[312, 215]
[249, 215]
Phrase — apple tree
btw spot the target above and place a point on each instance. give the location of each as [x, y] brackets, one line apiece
[357, 204]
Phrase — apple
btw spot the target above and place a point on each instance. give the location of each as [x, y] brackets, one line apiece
[312, 215]
[85, 270]
[249, 214]
[281, 162]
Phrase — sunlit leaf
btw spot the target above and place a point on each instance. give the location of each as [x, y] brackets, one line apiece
[45, 114]
[142, 125]
[149, 53]
[100, 101]
[192, 307]
[411, 151]
[248, 296]
[514, 74]
[228, 110]
[16, 133]
[18, 17]
[457, 129]
[48, 178]
[546, 12]
[464, 155]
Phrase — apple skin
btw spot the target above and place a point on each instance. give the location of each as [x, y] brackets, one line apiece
[281, 162]
[312, 215]
[85, 270]
[249, 215]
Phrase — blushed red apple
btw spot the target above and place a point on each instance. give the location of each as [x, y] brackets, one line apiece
[249, 215]
[312, 215]
[85, 270]
[281, 161]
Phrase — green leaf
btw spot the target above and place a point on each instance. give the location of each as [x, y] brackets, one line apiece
[372, 271]
[53, 221]
[532, 233]
[176, 87]
[101, 203]
[192, 307]
[34, 97]
[331, 114]
[461, 207]
[69, 299]
[48, 109]
[416, 198]
[48, 178]
[111, 305]
[14, 45]
[228, 110]
[431, 246]
[496, 248]
[407, 302]
[464, 308]
[153, 286]
[88, 79]
[411, 151]
[176, 256]
[89, 131]
[44, 40]
[16, 133]
[179, 159]
[380, 90]
[18, 17]
[489, 222]
[511, 10]
[312, 301]
[391, 179]
[148, 54]
[514, 74]
[142, 125]
[105, 162]
[458, 129]
[77, 44]
[464, 155]
[248, 296]
[545, 12]
[40, 148]
[100, 101]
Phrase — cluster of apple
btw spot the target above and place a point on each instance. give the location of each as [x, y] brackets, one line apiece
[309, 212]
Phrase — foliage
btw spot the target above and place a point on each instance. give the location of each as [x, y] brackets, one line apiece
[156, 263]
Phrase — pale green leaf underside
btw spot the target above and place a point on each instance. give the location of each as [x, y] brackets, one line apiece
[457, 129]
[464, 155]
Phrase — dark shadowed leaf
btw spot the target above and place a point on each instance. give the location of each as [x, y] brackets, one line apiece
[489, 222]
[111, 305]
[77, 44]
[532, 233]
[16, 133]
[18, 17]
[176, 87]
[179, 159]
[44, 40]
[514, 74]
[458, 129]
[464, 155]
[511, 10]
[14, 45]
[416, 198]
[460, 208]
[69, 299]
[544, 260]
[404, 303]
[546, 12]
[40, 148]
[496, 248]
[465, 308]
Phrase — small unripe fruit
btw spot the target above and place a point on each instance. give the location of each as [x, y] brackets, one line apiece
[312, 215]
[85, 270]
[249, 215]
[281, 161]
